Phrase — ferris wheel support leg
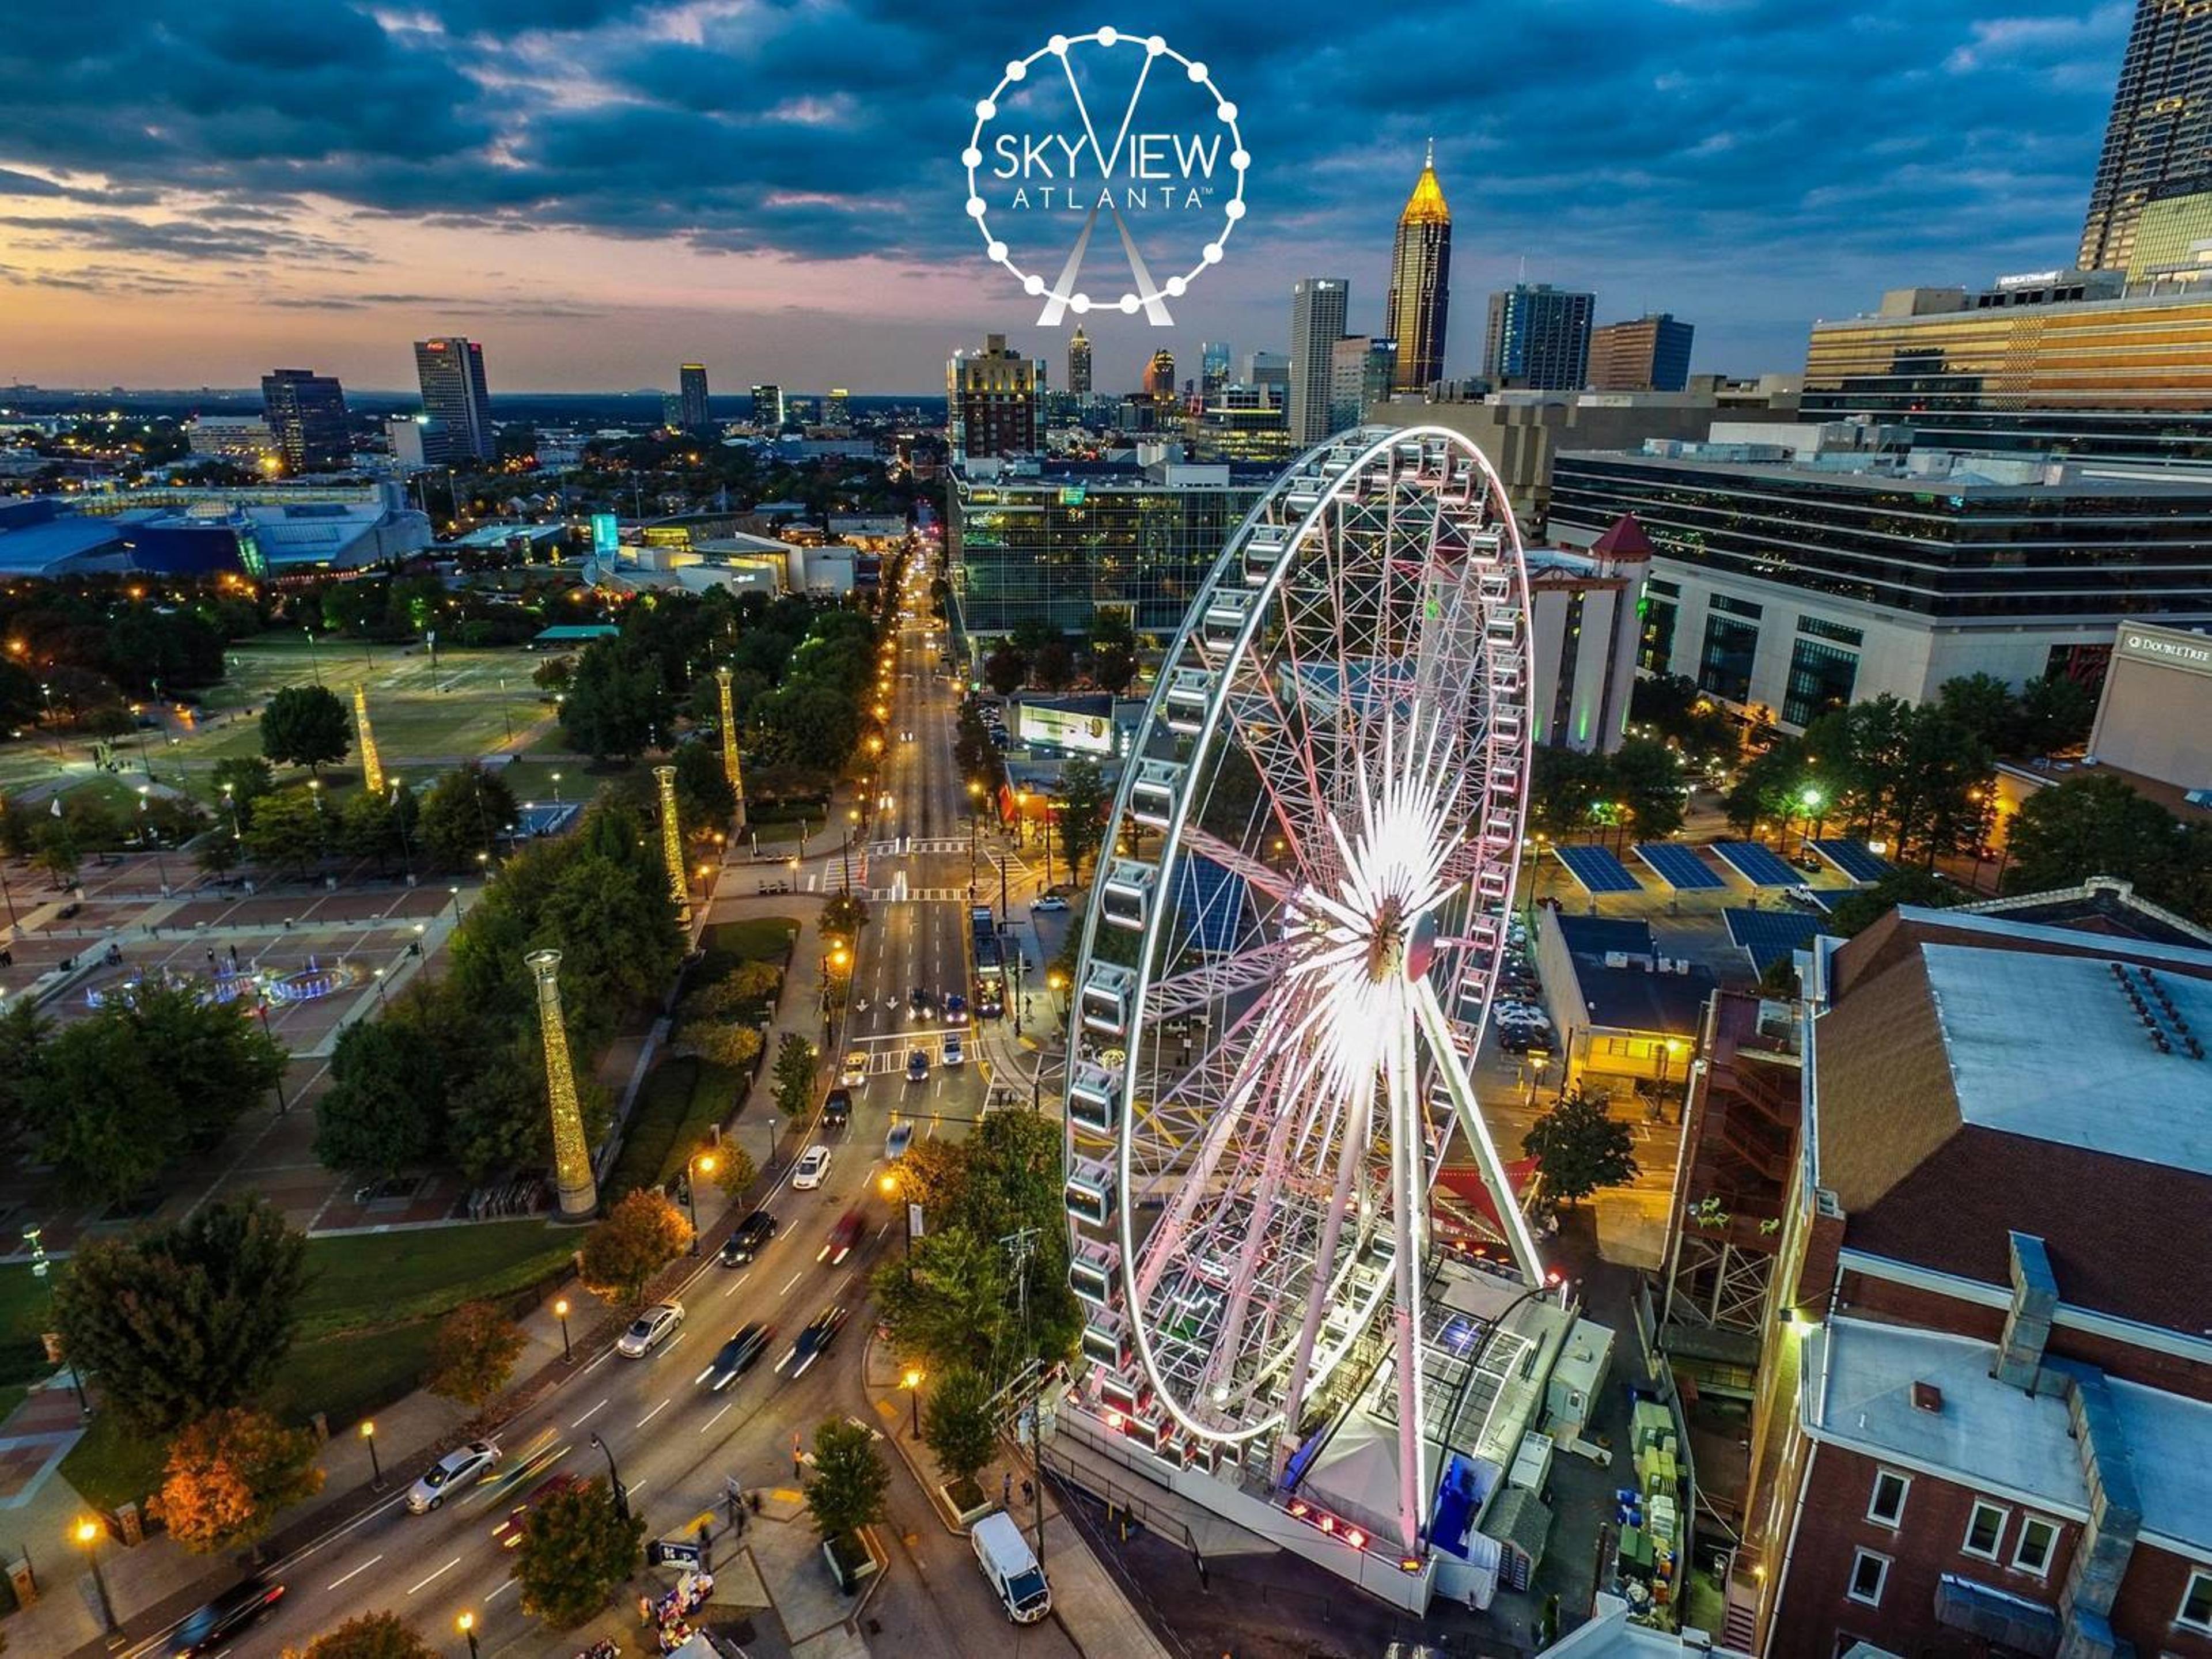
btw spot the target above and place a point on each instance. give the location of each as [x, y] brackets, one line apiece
[1453, 1074]
[1332, 1233]
[1408, 1202]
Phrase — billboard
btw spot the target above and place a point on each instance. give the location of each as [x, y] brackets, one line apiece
[1065, 728]
[606, 536]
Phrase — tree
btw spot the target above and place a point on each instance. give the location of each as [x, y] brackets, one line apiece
[306, 725]
[462, 815]
[950, 1302]
[473, 1354]
[1646, 779]
[2056, 714]
[23, 1034]
[243, 780]
[288, 831]
[850, 1482]
[734, 1170]
[1054, 665]
[1674, 707]
[185, 1319]
[1984, 705]
[794, 1073]
[383, 1111]
[844, 915]
[642, 1234]
[703, 795]
[1114, 666]
[2093, 826]
[614, 705]
[1563, 785]
[230, 1473]
[1083, 799]
[958, 1425]
[1578, 1148]
[369, 1635]
[58, 852]
[1858, 910]
[1006, 668]
[718, 1042]
[554, 674]
[745, 992]
[577, 1549]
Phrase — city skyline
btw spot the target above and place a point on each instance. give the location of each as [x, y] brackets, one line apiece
[815, 236]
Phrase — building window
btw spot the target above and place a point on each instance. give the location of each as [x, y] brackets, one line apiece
[1869, 1572]
[1736, 607]
[1885, 1504]
[1655, 650]
[2039, 1542]
[1820, 679]
[1985, 1527]
[1724, 665]
[2197, 1603]
[1821, 628]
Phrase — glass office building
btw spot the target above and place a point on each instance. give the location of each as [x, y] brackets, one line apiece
[1053, 550]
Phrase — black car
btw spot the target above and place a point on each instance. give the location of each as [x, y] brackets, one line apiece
[837, 1108]
[735, 1358]
[814, 1341]
[230, 1613]
[750, 1238]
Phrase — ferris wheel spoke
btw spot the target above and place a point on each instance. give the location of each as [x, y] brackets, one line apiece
[1451, 1076]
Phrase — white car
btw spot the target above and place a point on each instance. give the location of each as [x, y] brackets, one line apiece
[855, 1075]
[812, 1170]
[650, 1329]
[455, 1470]
[1049, 902]
[955, 1054]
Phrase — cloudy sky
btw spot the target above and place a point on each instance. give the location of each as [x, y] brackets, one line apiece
[195, 190]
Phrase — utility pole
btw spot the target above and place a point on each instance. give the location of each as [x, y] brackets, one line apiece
[1021, 1247]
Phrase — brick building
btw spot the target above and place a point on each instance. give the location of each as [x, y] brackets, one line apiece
[1984, 1420]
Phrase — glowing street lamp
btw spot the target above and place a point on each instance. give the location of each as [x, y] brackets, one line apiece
[375, 1468]
[466, 1624]
[87, 1533]
[911, 1382]
[701, 1163]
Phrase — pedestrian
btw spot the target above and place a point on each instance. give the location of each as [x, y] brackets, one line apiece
[1007, 1490]
[797, 1460]
[1029, 1492]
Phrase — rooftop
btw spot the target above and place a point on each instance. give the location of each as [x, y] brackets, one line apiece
[1857, 1385]
[1952, 476]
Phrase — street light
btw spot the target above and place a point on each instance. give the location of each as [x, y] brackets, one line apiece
[87, 1532]
[375, 1468]
[557, 788]
[614, 1476]
[699, 1163]
[466, 1624]
[912, 1383]
[561, 1313]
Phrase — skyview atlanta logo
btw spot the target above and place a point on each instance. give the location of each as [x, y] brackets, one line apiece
[1059, 144]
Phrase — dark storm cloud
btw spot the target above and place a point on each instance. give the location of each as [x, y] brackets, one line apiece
[180, 238]
[1658, 148]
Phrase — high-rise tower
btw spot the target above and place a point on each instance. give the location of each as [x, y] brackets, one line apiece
[2160, 136]
[1078, 364]
[1317, 308]
[693, 411]
[456, 400]
[307, 413]
[1420, 282]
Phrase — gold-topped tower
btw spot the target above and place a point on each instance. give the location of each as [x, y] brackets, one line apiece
[1420, 282]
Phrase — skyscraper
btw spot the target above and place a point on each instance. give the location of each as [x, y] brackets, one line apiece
[1420, 282]
[1317, 308]
[2160, 136]
[767, 408]
[991, 400]
[693, 378]
[1540, 337]
[1650, 354]
[307, 413]
[455, 397]
[838, 413]
[1078, 363]
[1159, 376]
[1361, 371]
[1212, 365]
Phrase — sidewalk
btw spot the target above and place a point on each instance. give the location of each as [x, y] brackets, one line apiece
[1086, 1601]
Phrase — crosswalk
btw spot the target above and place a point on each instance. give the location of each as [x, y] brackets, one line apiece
[906, 845]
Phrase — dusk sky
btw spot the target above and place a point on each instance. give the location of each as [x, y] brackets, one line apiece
[194, 193]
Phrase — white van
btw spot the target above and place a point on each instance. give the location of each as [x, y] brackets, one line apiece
[1011, 1566]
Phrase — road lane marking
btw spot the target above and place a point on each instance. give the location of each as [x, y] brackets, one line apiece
[717, 1417]
[500, 1591]
[634, 1488]
[587, 1417]
[654, 1412]
[355, 1573]
[738, 1286]
[435, 1577]
[788, 1283]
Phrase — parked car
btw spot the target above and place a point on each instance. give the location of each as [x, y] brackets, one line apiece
[650, 1329]
[917, 1066]
[1049, 902]
[1809, 862]
[843, 1237]
[812, 1170]
[955, 1054]
[837, 1108]
[750, 1238]
[814, 1341]
[210, 1629]
[456, 1470]
[855, 1073]
[1011, 1567]
[508, 1533]
[735, 1356]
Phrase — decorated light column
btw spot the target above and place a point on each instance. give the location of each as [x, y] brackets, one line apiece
[572, 1160]
[730, 767]
[372, 769]
[672, 843]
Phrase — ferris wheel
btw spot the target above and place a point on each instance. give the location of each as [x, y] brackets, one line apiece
[1290, 952]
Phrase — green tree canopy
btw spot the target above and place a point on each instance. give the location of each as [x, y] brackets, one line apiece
[306, 725]
[465, 813]
[794, 1074]
[185, 1319]
[957, 1424]
[577, 1549]
[371, 1636]
[2098, 826]
[1083, 798]
[1006, 668]
[1578, 1148]
[289, 831]
[851, 1481]
[1645, 777]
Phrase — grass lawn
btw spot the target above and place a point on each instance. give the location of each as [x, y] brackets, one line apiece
[23, 1317]
[758, 939]
[366, 1280]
